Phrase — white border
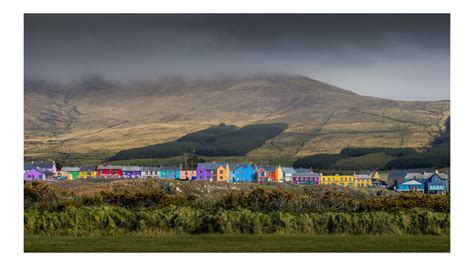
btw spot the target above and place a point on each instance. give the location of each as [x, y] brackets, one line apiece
[12, 133]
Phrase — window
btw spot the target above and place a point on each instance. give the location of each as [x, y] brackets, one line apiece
[221, 172]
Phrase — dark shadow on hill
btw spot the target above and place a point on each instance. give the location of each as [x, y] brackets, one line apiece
[221, 140]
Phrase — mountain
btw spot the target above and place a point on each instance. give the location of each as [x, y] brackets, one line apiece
[95, 118]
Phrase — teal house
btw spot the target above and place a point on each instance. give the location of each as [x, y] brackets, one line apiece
[169, 172]
[411, 185]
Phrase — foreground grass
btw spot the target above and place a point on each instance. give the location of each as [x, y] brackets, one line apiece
[239, 243]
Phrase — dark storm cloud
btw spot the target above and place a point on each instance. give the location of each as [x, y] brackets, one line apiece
[394, 56]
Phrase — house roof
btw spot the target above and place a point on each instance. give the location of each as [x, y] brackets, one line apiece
[38, 164]
[288, 170]
[269, 168]
[87, 168]
[131, 168]
[210, 166]
[170, 168]
[307, 175]
[233, 166]
[411, 182]
[394, 174]
[70, 169]
[106, 167]
[302, 170]
[150, 168]
[362, 176]
[36, 170]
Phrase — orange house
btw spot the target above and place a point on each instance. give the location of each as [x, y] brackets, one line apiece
[222, 173]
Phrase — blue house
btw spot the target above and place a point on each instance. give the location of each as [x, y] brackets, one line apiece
[232, 168]
[411, 185]
[436, 184]
[169, 172]
[244, 173]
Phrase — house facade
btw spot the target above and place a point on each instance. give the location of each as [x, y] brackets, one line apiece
[87, 172]
[266, 174]
[206, 171]
[222, 173]
[338, 180]
[411, 185]
[109, 171]
[288, 173]
[48, 167]
[306, 178]
[34, 174]
[244, 173]
[71, 172]
[362, 180]
[132, 171]
[437, 184]
[150, 172]
[187, 174]
[169, 172]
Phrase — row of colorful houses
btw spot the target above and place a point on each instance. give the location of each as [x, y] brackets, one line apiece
[425, 180]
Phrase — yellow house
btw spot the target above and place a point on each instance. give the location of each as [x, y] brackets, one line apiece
[338, 180]
[222, 173]
[87, 172]
[362, 180]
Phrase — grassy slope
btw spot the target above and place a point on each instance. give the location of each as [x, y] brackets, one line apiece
[239, 243]
[321, 118]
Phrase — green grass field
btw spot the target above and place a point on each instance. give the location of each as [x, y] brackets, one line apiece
[239, 243]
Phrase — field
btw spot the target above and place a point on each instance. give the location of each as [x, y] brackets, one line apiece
[238, 243]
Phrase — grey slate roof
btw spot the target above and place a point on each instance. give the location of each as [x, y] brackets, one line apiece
[70, 169]
[37, 164]
[150, 168]
[269, 168]
[307, 175]
[302, 170]
[170, 168]
[210, 166]
[109, 167]
[131, 168]
[288, 170]
[87, 169]
[393, 174]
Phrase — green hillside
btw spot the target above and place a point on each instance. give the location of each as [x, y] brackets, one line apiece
[221, 140]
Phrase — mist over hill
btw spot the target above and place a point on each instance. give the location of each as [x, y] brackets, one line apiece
[95, 118]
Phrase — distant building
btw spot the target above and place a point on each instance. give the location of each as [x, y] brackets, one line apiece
[396, 177]
[150, 172]
[244, 173]
[288, 173]
[70, 172]
[207, 171]
[48, 167]
[34, 174]
[306, 178]
[266, 174]
[187, 174]
[132, 171]
[338, 180]
[87, 172]
[222, 173]
[411, 185]
[363, 179]
[169, 172]
[109, 171]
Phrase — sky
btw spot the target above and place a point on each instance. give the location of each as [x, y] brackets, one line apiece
[402, 57]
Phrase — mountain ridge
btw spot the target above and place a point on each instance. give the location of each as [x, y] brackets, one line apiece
[99, 117]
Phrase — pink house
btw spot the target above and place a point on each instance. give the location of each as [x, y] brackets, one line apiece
[187, 174]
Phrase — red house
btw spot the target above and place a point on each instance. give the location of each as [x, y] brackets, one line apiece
[265, 174]
[106, 170]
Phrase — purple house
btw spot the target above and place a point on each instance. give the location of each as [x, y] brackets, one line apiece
[206, 171]
[47, 167]
[132, 171]
[34, 174]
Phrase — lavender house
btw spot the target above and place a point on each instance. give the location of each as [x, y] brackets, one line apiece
[47, 167]
[305, 178]
[34, 174]
[132, 171]
[206, 171]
